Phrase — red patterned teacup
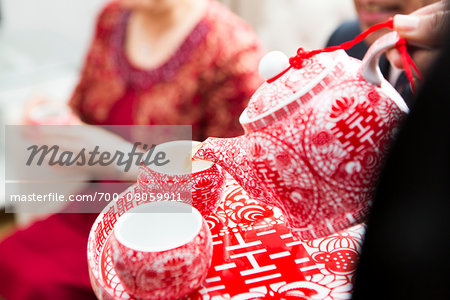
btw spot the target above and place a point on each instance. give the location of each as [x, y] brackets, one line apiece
[161, 250]
[199, 183]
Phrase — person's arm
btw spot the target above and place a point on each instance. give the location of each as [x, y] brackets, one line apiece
[90, 101]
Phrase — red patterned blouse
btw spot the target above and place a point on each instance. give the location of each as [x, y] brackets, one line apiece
[206, 83]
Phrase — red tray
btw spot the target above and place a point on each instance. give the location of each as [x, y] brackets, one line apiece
[255, 256]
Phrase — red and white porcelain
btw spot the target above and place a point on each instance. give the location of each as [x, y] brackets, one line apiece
[315, 138]
[255, 256]
[161, 250]
[199, 183]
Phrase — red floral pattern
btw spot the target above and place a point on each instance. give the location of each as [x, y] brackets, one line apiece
[338, 261]
[341, 106]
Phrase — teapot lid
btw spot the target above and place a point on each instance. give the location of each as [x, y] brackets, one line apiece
[284, 82]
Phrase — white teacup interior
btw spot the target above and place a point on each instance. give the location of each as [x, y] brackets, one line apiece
[158, 226]
[179, 154]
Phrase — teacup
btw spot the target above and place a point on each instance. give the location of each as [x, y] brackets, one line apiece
[161, 250]
[50, 113]
[199, 183]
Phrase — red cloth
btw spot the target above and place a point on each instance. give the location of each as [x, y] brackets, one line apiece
[206, 83]
[47, 260]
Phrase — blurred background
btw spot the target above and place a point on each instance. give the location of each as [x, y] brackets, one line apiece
[43, 43]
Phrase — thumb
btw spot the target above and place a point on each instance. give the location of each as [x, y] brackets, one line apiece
[426, 30]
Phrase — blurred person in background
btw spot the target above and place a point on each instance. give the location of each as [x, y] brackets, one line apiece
[371, 12]
[164, 62]
[169, 62]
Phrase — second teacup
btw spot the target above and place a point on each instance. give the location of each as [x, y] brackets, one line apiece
[198, 183]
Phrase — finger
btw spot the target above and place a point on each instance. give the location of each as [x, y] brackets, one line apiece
[395, 58]
[427, 30]
[429, 9]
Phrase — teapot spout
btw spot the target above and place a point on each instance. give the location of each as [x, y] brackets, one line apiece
[226, 152]
[231, 155]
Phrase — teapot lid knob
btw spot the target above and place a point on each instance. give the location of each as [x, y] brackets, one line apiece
[272, 64]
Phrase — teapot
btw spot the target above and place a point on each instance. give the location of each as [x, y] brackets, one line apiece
[316, 134]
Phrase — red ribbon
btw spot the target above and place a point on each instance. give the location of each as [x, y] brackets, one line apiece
[408, 64]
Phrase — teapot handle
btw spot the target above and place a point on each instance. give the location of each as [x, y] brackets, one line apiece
[370, 70]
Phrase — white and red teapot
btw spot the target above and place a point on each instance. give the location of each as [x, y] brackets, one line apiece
[316, 134]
